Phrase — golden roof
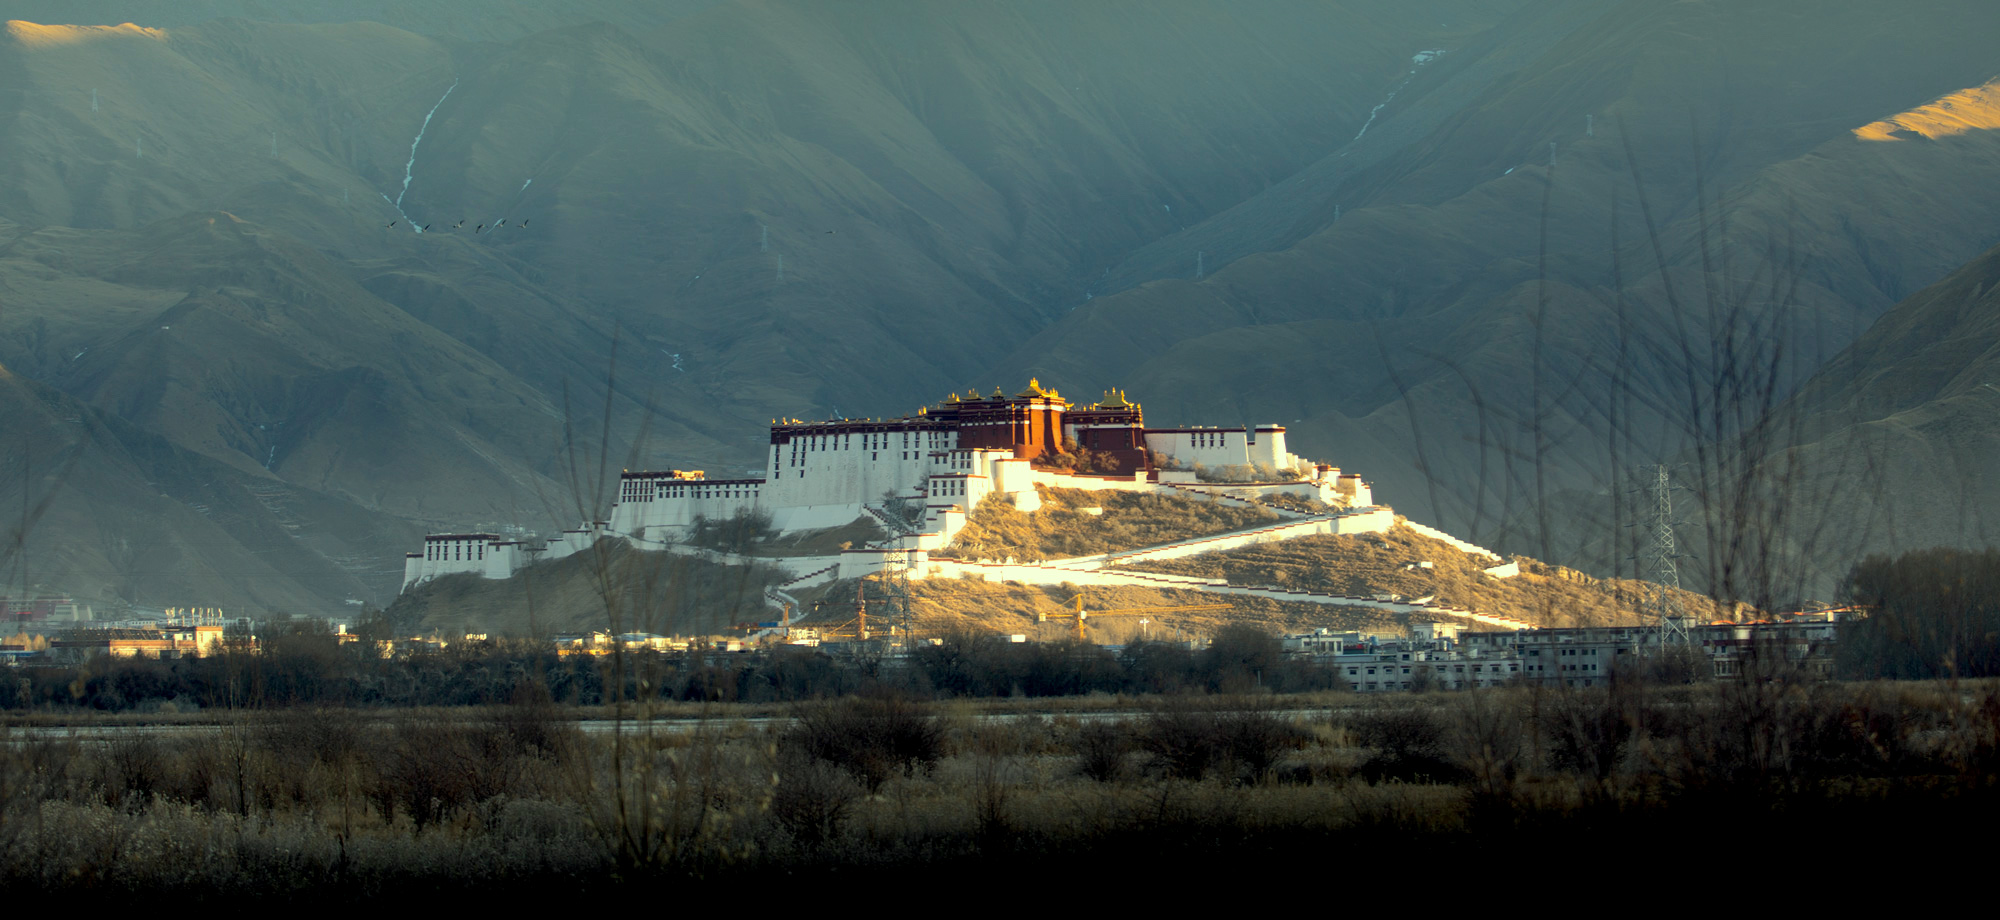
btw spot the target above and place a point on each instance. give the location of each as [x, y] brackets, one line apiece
[1035, 390]
[1115, 399]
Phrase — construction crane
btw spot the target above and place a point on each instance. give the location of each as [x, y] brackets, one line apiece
[1079, 614]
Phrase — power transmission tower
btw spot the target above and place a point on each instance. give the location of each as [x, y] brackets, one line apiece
[1666, 573]
[895, 580]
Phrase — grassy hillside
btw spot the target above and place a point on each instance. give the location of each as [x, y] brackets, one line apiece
[610, 587]
[944, 606]
[1122, 520]
[1371, 564]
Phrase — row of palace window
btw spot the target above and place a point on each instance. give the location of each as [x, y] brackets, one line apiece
[456, 551]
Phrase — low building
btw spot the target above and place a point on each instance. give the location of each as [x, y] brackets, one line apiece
[1442, 657]
[164, 643]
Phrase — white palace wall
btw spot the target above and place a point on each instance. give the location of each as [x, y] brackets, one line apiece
[852, 469]
[655, 507]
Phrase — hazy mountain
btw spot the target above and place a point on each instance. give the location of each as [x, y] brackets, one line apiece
[115, 515]
[477, 20]
[1431, 338]
[763, 209]
[1891, 445]
[208, 230]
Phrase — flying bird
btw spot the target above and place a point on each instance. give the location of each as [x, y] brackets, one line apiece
[524, 225]
[476, 230]
[455, 226]
[502, 223]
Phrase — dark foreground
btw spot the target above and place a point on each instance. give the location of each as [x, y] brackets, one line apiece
[514, 805]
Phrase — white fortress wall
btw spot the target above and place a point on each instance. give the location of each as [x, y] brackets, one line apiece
[1504, 570]
[1263, 445]
[1064, 479]
[571, 542]
[484, 554]
[1267, 447]
[851, 468]
[1463, 546]
[657, 504]
[958, 489]
[1206, 446]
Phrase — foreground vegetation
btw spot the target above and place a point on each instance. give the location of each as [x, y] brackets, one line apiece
[308, 669]
[514, 801]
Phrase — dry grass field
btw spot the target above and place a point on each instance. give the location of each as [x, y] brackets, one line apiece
[948, 605]
[519, 803]
[1124, 520]
[1370, 564]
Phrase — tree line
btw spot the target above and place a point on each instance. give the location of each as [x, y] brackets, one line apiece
[1932, 613]
[304, 668]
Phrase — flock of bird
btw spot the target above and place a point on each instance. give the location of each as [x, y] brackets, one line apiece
[481, 228]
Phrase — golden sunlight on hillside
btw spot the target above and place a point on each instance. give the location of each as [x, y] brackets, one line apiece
[1974, 109]
[36, 35]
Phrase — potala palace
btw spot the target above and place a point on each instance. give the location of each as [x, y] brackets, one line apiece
[944, 460]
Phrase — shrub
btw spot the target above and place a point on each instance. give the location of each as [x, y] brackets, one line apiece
[1406, 743]
[737, 533]
[870, 738]
[812, 797]
[1189, 740]
[1101, 746]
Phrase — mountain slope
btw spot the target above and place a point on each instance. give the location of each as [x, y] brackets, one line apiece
[208, 229]
[1433, 329]
[116, 516]
[1895, 437]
